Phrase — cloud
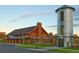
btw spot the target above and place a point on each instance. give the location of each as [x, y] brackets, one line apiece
[26, 15]
[76, 19]
[76, 13]
[76, 25]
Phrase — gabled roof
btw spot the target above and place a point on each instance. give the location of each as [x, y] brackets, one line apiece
[22, 30]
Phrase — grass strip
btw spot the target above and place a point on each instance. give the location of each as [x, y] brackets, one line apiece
[64, 51]
[33, 45]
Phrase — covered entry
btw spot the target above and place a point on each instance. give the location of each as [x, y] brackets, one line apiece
[60, 42]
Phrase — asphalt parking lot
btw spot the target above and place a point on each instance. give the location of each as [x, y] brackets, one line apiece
[11, 48]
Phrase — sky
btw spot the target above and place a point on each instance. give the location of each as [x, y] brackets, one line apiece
[20, 16]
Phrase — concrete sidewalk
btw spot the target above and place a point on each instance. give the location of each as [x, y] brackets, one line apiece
[42, 49]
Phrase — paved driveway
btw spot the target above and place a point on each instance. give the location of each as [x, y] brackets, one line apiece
[11, 48]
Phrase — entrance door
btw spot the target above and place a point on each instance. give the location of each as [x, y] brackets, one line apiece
[60, 42]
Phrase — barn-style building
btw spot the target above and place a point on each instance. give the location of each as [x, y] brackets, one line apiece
[33, 34]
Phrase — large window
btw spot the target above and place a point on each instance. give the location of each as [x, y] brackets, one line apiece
[62, 29]
[62, 22]
[62, 15]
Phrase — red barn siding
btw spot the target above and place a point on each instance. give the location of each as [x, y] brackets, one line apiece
[37, 31]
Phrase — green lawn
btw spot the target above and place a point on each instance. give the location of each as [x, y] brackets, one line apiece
[65, 50]
[33, 45]
[1, 40]
[72, 48]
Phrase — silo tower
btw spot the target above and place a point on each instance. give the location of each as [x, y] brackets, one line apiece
[65, 25]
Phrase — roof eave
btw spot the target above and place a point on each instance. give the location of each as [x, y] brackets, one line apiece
[64, 8]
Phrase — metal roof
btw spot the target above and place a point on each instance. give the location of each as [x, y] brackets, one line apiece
[64, 7]
[22, 30]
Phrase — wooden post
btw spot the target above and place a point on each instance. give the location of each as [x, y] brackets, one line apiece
[15, 40]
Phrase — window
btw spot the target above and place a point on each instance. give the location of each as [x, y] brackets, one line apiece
[62, 15]
[62, 29]
[62, 22]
